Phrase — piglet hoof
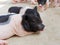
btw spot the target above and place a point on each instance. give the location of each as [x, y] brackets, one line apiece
[2, 42]
[57, 5]
[21, 1]
[35, 0]
[14, 1]
[33, 3]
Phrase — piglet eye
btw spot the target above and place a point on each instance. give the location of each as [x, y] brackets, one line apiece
[33, 20]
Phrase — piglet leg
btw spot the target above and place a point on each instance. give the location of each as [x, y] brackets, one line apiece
[3, 42]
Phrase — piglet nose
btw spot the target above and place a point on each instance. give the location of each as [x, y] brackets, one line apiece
[41, 26]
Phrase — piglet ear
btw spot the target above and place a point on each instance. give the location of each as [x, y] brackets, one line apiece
[35, 8]
[25, 23]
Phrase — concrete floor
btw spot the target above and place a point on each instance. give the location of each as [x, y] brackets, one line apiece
[51, 33]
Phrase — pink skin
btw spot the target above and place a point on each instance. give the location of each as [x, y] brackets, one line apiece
[15, 1]
[3, 42]
[55, 3]
[33, 1]
[13, 28]
[18, 1]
